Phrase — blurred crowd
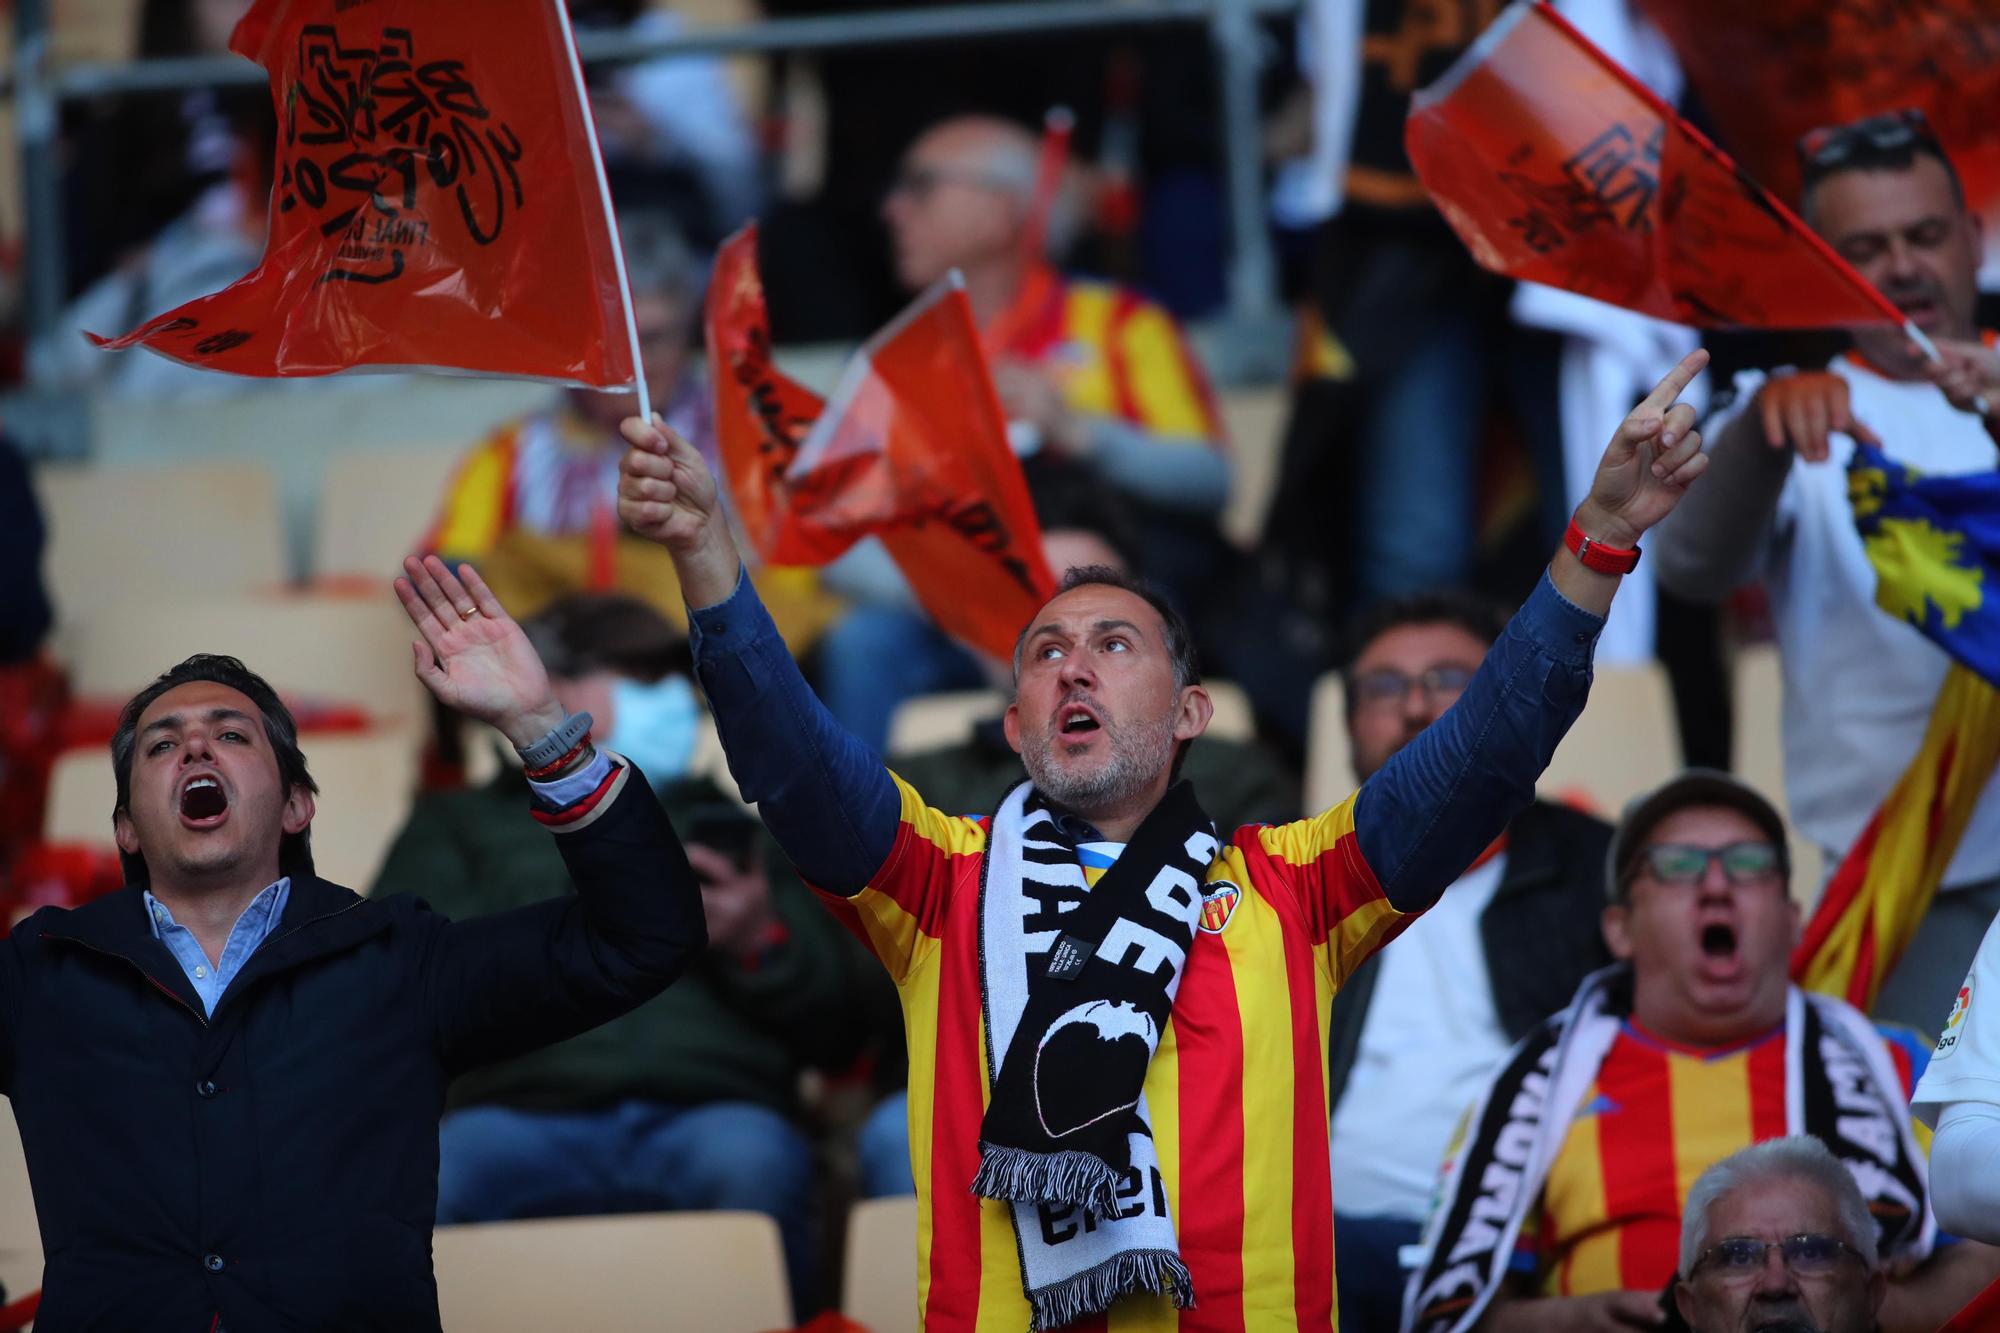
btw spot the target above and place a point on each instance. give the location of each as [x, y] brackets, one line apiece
[1439, 423]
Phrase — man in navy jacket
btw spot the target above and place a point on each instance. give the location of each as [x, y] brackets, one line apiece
[228, 1075]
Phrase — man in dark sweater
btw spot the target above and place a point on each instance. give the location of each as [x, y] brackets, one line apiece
[228, 1074]
[689, 1101]
[1418, 1028]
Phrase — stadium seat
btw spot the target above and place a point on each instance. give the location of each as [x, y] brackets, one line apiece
[1329, 758]
[1625, 743]
[717, 1272]
[120, 533]
[931, 721]
[1254, 420]
[879, 1289]
[1758, 695]
[349, 649]
[20, 1240]
[364, 529]
[367, 781]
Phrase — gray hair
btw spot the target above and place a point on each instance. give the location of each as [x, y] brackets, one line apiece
[658, 261]
[1800, 1157]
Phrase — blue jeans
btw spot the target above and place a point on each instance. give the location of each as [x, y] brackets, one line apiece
[878, 656]
[497, 1163]
[1367, 1271]
[883, 1145]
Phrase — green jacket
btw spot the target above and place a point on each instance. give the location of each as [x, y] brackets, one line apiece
[722, 1032]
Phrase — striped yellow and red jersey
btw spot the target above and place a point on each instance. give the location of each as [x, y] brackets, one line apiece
[1236, 1092]
[1113, 353]
[1659, 1114]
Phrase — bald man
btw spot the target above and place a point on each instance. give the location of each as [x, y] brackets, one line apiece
[1096, 380]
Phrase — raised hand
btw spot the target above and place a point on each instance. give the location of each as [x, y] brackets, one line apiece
[667, 494]
[1651, 461]
[1799, 411]
[472, 655]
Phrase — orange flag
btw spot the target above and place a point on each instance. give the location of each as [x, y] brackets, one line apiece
[1826, 64]
[438, 202]
[911, 448]
[1556, 166]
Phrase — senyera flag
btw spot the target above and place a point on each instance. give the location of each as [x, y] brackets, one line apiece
[1935, 546]
[911, 447]
[1555, 165]
[438, 203]
[1769, 71]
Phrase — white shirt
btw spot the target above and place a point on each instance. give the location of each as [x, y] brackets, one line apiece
[1859, 684]
[1966, 1065]
[1428, 1043]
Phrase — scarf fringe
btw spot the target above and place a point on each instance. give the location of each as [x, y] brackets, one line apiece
[1094, 1289]
[1072, 1179]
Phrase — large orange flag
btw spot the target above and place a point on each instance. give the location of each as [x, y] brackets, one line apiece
[438, 202]
[1817, 63]
[911, 448]
[1556, 166]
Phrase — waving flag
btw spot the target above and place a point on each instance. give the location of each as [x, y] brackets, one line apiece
[438, 203]
[1935, 546]
[911, 448]
[1826, 64]
[1556, 166]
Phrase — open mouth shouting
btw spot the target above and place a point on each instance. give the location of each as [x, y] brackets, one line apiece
[203, 803]
[1720, 956]
[1077, 722]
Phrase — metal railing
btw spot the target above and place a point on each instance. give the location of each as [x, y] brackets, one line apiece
[40, 88]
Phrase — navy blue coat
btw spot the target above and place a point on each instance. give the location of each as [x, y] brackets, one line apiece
[276, 1163]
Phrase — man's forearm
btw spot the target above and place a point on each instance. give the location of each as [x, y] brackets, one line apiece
[1710, 544]
[1940, 1288]
[1188, 475]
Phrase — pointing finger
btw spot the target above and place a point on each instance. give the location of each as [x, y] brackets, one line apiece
[1677, 379]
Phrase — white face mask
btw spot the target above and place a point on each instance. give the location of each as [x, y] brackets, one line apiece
[654, 725]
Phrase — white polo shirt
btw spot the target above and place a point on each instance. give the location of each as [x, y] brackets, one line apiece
[1859, 684]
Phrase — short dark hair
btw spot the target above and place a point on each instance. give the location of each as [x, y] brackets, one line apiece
[585, 632]
[1891, 141]
[1480, 618]
[1180, 640]
[295, 849]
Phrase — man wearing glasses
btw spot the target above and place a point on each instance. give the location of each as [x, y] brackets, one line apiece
[1563, 1207]
[1778, 1237]
[1505, 947]
[1885, 197]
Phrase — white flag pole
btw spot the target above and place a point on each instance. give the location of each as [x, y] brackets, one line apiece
[1929, 349]
[610, 217]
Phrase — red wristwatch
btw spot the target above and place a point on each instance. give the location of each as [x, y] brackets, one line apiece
[1596, 555]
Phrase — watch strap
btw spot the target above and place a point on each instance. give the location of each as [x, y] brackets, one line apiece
[1598, 556]
[559, 741]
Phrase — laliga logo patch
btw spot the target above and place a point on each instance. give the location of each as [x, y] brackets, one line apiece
[1218, 905]
[1948, 1041]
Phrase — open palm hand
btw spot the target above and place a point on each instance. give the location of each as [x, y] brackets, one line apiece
[472, 655]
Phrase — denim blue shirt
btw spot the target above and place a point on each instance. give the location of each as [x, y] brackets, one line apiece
[252, 928]
[1419, 821]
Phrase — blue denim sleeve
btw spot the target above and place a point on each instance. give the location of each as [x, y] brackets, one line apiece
[826, 797]
[1428, 813]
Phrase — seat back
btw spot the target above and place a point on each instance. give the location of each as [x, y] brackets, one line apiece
[364, 528]
[1329, 753]
[1758, 695]
[20, 1238]
[1625, 743]
[717, 1272]
[879, 1289]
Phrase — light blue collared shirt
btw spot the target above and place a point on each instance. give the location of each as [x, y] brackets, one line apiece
[252, 928]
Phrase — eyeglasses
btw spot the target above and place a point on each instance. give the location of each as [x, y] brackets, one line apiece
[1740, 1257]
[1387, 688]
[1833, 146]
[918, 182]
[1681, 863]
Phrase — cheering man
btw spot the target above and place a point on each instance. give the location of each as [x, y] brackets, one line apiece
[1115, 1013]
[228, 1074]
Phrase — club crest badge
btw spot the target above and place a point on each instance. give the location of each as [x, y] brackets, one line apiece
[1954, 1025]
[1218, 904]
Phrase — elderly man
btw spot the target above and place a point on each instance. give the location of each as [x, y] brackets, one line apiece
[1097, 381]
[1114, 1011]
[228, 1074]
[1562, 1209]
[1777, 1237]
[1860, 686]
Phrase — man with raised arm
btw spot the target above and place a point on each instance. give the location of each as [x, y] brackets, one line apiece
[1116, 1014]
[228, 1074]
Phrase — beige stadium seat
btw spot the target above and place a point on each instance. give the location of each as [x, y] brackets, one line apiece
[1625, 743]
[716, 1272]
[1329, 757]
[879, 1290]
[337, 648]
[375, 507]
[121, 533]
[1254, 420]
[1759, 695]
[932, 721]
[20, 1240]
[367, 781]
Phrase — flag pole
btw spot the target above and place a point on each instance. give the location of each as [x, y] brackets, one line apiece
[1057, 126]
[1936, 358]
[610, 217]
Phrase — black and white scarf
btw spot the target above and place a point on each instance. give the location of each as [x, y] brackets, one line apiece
[1840, 1087]
[1076, 984]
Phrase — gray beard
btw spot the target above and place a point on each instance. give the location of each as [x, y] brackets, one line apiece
[1138, 755]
